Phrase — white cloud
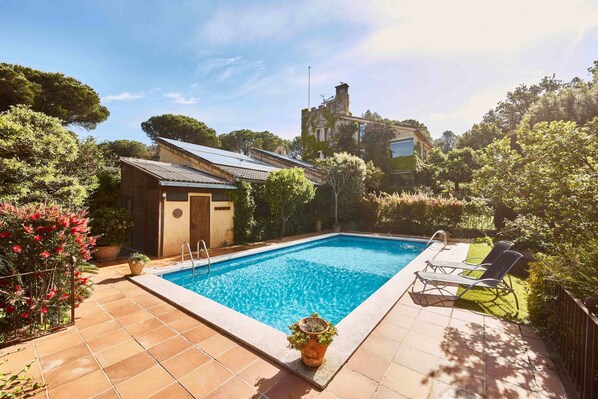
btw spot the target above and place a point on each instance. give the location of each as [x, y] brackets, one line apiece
[179, 98]
[472, 26]
[472, 110]
[126, 96]
[254, 22]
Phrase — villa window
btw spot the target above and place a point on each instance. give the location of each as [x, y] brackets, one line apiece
[361, 131]
[318, 135]
[401, 148]
[327, 138]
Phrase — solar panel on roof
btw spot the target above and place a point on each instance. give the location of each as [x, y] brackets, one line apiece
[297, 161]
[222, 157]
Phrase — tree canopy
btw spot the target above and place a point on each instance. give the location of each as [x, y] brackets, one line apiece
[550, 177]
[510, 112]
[295, 149]
[54, 94]
[344, 140]
[345, 173]
[285, 190]
[577, 103]
[479, 136]
[460, 165]
[447, 141]
[421, 127]
[113, 150]
[180, 127]
[36, 158]
[242, 140]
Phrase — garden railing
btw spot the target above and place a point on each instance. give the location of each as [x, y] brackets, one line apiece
[574, 336]
[47, 303]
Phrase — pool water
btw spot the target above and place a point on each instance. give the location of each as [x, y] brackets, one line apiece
[330, 276]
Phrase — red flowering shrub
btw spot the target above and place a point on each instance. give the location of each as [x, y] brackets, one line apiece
[39, 243]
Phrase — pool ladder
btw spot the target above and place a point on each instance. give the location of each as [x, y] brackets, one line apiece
[439, 232]
[205, 248]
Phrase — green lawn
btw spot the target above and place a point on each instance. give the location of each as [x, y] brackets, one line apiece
[482, 300]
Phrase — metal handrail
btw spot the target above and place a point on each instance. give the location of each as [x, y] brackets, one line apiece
[441, 232]
[183, 245]
[205, 248]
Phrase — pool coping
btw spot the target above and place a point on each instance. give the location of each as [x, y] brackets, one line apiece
[267, 340]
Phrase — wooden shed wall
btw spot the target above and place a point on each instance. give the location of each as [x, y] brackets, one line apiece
[141, 194]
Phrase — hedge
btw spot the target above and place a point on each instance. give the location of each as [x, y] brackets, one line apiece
[405, 213]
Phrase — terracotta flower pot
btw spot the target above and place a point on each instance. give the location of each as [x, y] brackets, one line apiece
[313, 352]
[107, 253]
[203, 255]
[337, 228]
[137, 267]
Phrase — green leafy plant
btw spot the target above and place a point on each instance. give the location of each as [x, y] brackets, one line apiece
[139, 258]
[112, 225]
[285, 190]
[325, 329]
[245, 224]
[417, 213]
[18, 384]
[35, 154]
[345, 173]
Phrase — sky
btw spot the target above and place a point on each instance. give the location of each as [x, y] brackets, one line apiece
[244, 64]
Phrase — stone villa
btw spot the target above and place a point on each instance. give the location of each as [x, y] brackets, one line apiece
[324, 121]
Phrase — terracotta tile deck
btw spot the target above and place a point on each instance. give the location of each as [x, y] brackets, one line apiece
[127, 343]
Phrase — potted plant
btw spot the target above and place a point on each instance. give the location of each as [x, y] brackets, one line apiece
[203, 254]
[112, 227]
[137, 262]
[312, 335]
[337, 228]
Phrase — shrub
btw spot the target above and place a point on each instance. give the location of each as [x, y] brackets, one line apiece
[245, 224]
[298, 339]
[107, 193]
[285, 190]
[368, 211]
[137, 257]
[477, 214]
[576, 269]
[415, 213]
[35, 238]
[111, 225]
[528, 232]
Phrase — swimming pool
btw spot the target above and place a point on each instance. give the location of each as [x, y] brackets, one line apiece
[253, 295]
[331, 276]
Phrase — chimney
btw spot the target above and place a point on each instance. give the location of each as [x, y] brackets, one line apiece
[342, 99]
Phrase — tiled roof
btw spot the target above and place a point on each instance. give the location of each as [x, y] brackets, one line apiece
[243, 173]
[172, 172]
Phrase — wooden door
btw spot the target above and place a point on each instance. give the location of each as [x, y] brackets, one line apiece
[199, 226]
